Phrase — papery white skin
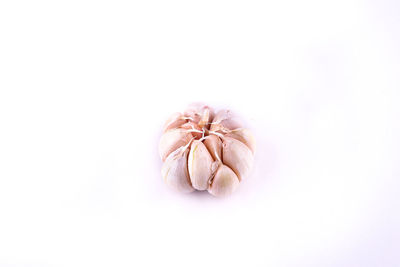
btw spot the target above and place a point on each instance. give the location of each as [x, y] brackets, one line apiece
[200, 165]
[174, 171]
[237, 156]
[224, 182]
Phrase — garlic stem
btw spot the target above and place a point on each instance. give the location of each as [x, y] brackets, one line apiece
[187, 118]
[194, 131]
[215, 133]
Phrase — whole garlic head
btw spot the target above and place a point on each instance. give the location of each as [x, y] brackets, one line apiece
[203, 150]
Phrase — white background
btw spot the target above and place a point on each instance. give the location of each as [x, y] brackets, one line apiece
[85, 87]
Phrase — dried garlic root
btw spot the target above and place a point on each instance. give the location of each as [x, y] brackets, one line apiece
[202, 150]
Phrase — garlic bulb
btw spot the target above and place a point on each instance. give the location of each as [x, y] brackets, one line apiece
[203, 150]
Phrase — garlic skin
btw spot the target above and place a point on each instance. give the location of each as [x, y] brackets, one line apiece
[199, 165]
[237, 156]
[224, 183]
[175, 173]
[203, 150]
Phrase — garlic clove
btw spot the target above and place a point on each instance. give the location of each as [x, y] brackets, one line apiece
[224, 182]
[199, 165]
[175, 172]
[199, 114]
[210, 117]
[193, 113]
[214, 146]
[224, 121]
[245, 136]
[237, 156]
[205, 116]
[174, 121]
[172, 140]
